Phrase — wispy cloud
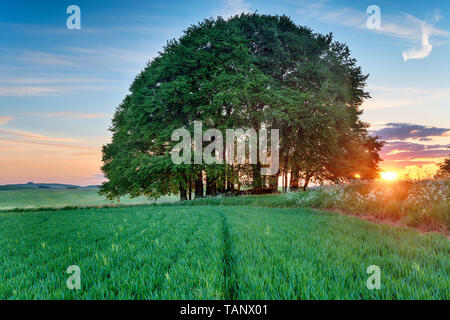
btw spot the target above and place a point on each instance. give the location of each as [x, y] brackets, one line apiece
[427, 29]
[26, 91]
[114, 61]
[396, 97]
[4, 120]
[109, 53]
[70, 115]
[412, 144]
[233, 7]
[14, 142]
[402, 25]
[51, 90]
[404, 131]
[44, 80]
[46, 30]
[40, 29]
[46, 58]
[407, 151]
[66, 115]
[72, 58]
[33, 136]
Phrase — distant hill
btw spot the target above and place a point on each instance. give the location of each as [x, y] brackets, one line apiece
[44, 186]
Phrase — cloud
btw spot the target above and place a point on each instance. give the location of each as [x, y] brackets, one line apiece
[43, 80]
[15, 142]
[26, 91]
[427, 29]
[109, 53]
[404, 131]
[233, 7]
[403, 25]
[409, 151]
[69, 115]
[45, 30]
[391, 97]
[426, 46]
[346, 17]
[114, 61]
[85, 154]
[26, 86]
[4, 120]
[41, 91]
[38, 57]
[34, 136]
[409, 144]
[66, 115]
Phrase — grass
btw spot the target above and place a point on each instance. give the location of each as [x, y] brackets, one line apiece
[215, 252]
[422, 204]
[36, 198]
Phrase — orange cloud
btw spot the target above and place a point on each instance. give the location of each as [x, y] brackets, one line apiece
[420, 172]
[74, 115]
[12, 142]
[24, 160]
[67, 115]
[4, 120]
[34, 136]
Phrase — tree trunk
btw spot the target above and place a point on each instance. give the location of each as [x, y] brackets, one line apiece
[231, 179]
[229, 186]
[285, 169]
[211, 188]
[257, 179]
[199, 185]
[295, 176]
[307, 178]
[190, 189]
[183, 194]
[221, 181]
[273, 182]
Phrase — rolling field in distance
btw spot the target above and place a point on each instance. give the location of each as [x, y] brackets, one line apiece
[36, 198]
[215, 252]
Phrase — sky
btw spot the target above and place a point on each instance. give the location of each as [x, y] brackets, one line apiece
[59, 87]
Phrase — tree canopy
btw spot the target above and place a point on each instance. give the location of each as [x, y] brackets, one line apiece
[250, 71]
[444, 168]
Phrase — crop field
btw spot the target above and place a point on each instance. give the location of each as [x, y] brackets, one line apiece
[60, 198]
[215, 252]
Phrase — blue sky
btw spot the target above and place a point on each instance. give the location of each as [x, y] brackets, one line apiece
[59, 87]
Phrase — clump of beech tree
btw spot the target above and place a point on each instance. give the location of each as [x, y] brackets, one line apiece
[250, 71]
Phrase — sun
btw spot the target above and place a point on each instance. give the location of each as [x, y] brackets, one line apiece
[389, 175]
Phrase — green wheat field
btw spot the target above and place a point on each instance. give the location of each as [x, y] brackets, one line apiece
[173, 251]
[29, 199]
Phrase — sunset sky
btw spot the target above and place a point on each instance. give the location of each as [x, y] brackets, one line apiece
[59, 88]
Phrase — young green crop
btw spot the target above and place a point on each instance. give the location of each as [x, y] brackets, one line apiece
[215, 252]
[122, 253]
[37, 198]
[306, 254]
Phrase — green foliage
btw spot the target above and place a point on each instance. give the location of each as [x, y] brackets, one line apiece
[444, 168]
[214, 252]
[251, 71]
